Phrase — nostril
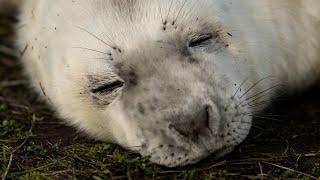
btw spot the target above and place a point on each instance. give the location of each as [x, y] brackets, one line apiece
[196, 124]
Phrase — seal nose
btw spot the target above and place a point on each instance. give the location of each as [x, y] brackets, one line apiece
[195, 126]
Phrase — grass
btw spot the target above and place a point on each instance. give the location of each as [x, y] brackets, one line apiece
[36, 145]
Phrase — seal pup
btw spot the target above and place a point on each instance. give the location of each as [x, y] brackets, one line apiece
[176, 80]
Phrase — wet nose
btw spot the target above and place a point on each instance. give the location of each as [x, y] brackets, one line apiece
[194, 126]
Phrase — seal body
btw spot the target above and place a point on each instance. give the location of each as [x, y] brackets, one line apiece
[176, 80]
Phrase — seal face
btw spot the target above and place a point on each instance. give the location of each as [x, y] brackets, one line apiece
[174, 80]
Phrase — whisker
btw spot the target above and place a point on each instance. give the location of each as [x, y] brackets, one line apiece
[155, 148]
[169, 10]
[260, 97]
[264, 91]
[255, 85]
[83, 48]
[160, 10]
[259, 94]
[103, 59]
[180, 10]
[239, 87]
[114, 44]
[272, 100]
[257, 127]
[94, 36]
[268, 118]
[226, 108]
[278, 96]
[265, 102]
[246, 113]
[266, 115]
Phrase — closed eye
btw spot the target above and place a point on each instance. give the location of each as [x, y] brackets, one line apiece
[107, 88]
[201, 40]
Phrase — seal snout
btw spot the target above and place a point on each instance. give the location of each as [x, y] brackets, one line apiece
[198, 124]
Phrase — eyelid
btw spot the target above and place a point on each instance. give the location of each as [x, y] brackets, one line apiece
[108, 87]
[198, 39]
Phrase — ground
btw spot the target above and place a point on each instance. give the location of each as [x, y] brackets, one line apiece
[37, 145]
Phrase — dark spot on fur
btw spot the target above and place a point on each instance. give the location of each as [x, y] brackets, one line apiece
[193, 60]
[130, 77]
[165, 22]
[170, 146]
[152, 108]
[141, 108]
[161, 146]
[119, 65]
[161, 90]
[172, 154]
[156, 100]
[132, 74]
[185, 52]
[132, 82]
[155, 133]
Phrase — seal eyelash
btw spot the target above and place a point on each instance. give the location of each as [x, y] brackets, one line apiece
[200, 40]
[107, 88]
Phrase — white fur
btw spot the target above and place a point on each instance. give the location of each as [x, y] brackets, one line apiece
[278, 38]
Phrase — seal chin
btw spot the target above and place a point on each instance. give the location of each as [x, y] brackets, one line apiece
[184, 156]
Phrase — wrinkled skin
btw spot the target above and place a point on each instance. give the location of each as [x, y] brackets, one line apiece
[174, 80]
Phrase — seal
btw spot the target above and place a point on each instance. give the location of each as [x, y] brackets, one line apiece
[176, 80]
